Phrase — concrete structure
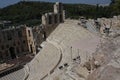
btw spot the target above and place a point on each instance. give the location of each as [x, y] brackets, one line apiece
[15, 42]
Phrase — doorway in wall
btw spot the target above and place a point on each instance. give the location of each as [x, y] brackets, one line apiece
[12, 52]
[31, 48]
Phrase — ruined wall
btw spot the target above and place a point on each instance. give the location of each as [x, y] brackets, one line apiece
[108, 24]
[38, 33]
[52, 19]
[104, 26]
[15, 42]
[30, 41]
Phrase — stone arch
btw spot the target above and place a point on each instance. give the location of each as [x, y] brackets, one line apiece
[44, 35]
[12, 52]
[61, 18]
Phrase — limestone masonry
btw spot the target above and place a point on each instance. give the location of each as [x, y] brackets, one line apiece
[84, 49]
[15, 42]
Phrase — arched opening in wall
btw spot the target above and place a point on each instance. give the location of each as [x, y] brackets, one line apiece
[50, 19]
[44, 35]
[31, 48]
[1, 57]
[12, 52]
[56, 18]
[61, 18]
[60, 7]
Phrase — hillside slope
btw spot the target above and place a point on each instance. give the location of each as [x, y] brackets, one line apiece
[25, 12]
[30, 12]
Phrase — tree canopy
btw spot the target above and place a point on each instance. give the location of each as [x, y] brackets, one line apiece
[30, 12]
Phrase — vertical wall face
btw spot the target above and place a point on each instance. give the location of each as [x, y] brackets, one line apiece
[58, 7]
[50, 20]
[15, 42]
[30, 41]
[55, 17]
[56, 20]
[63, 15]
[45, 19]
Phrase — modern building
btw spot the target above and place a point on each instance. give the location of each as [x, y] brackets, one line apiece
[15, 42]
